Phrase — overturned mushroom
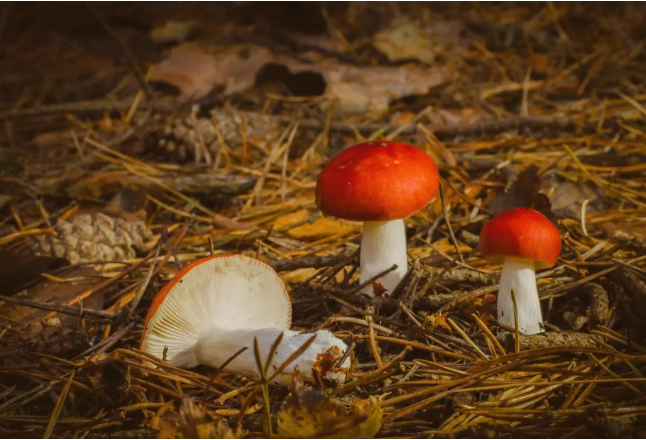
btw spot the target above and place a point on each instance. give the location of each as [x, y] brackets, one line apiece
[217, 305]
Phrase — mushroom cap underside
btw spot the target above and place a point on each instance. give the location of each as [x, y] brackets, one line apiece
[218, 292]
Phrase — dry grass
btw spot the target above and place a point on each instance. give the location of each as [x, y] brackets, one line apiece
[566, 96]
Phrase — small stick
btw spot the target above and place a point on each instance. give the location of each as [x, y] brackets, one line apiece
[211, 248]
[583, 206]
[131, 59]
[60, 308]
[59, 406]
[516, 329]
[448, 225]
[346, 355]
[171, 248]
[373, 279]
[373, 342]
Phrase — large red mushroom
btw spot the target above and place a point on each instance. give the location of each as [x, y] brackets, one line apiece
[523, 240]
[379, 183]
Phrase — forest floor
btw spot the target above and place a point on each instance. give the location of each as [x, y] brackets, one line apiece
[131, 130]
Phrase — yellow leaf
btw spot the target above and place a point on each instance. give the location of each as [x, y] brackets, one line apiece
[294, 217]
[437, 319]
[322, 227]
[299, 275]
[309, 413]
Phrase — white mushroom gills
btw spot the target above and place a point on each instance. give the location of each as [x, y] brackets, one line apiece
[220, 306]
[382, 245]
[519, 274]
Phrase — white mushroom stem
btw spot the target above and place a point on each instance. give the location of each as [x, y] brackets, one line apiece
[519, 274]
[383, 244]
[216, 345]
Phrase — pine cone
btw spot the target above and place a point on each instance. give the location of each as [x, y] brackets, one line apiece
[93, 237]
[187, 138]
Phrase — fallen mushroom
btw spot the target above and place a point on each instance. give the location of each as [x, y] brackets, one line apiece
[523, 240]
[378, 183]
[217, 305]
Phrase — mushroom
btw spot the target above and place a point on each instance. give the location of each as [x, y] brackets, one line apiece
[523, 240]
[217, 305]
[378, 183]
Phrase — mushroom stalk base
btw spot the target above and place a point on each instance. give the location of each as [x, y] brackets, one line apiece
[519, 274]
[216, 346]
[383, 244]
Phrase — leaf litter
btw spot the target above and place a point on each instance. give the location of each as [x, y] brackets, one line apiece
[520, 109]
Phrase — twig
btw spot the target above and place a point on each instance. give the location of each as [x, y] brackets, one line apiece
[59, 406]
[60, 308]
[373, 279]
[129, 56]
[516, 329]
[171, 248]
[448, 225]
[307, 262]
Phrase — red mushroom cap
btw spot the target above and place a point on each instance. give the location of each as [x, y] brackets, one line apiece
[522, 233]
[377, 181]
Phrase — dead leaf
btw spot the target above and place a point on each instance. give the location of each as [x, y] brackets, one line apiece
[19, 271]
[292, 218]
[567, 199]
[437, 319]
[51, 292]
[625, 230]
[405, 39]
[309, 413]
[196, 72]
[193, 422]
[323, 227]
[355, 89]
[173, 31]
[483, 307]
[524, 193]
[370, 89]
[378, 289]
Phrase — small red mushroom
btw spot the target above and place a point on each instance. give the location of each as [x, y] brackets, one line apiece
[523, 240]
[379, 183]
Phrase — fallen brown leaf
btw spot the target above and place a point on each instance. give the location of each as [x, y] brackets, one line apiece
[195, 72]
[309, 413]
[51, 292]
[20, 270]
[524, 193]
[405, 39]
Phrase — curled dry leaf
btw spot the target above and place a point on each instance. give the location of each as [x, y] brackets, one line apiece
[567, 198]
[309, 413]
[195, 72]
[371, 89]
[524, 193]
[437, 319]
[405, 39]
[193, 422]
